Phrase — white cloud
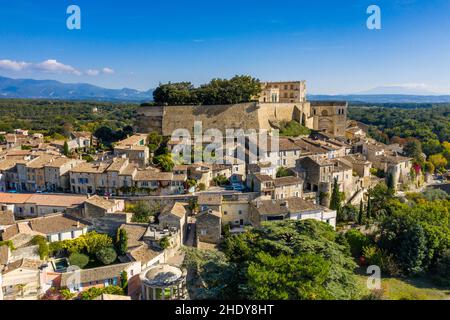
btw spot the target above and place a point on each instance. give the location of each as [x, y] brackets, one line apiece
[92, 72]
[50, 66]
[107, 70]
[53, 66]
[13, 65]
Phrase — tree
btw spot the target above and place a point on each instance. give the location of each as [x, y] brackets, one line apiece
[104, 134]
[431, 146]
[302, 277]
[124, 281]
[96, 241]
[361, 213]
[369, 207]
[283, 172]
[164, 161]
[43, 246]
[79, 259]
[391, 183]
[106, 255]
[438, 160]
[94, 292]
[357, 241]
[122, 241]
[154, 141]
[164, 243]
[222, 91]
[335, 201]
[413, 149]
[142, 212]
[288, 242]
[177, 93]
[66, 149]
[428, 167]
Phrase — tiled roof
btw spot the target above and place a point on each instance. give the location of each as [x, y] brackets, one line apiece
[286, 181]
[135, 232]
[6, 218]
[94, 274]
[214, 199]
[55, 200]
[101, 202]
[144, 253]
[152, 175]
[276, 207]
[23, 264]
[90, 167]
[55, 224]
[178, 209]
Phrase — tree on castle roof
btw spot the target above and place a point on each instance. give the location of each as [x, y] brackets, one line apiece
[218, 91]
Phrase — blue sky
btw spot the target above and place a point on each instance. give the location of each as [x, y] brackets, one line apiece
[138, 44]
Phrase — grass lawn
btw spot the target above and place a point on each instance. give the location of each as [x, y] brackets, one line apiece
[408, 289]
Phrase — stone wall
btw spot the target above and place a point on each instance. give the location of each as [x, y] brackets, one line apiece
[246, 116]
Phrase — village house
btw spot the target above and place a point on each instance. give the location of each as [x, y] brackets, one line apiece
[235, 210]
[291, 208]
[135, 149]
[209, 201]
[56, 227]
[275, 188]
[175, 216]
[319, 175]
[102, 277]
[209, 226]
[388, 161]
[23, 279]
[37, 204]
[56, 174]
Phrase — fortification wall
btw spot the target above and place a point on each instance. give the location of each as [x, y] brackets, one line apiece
[246, 116]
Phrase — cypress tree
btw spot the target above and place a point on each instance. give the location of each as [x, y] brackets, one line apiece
[335, 201]
[369, 208]
[361, 213]
[66, 149]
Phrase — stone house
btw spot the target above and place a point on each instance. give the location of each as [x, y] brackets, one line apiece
[101, 277]
[209, 226]
[275, 188]
[135, 149]
[291, 208]
[209, 201]
[175, 216]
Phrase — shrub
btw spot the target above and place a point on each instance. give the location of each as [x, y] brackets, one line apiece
[357, 241]
[220, 180]
[43, 246]
[380, 258]
[107, 255]
[8, 243]
[164, 242]
[78, 259]
[93, 293]
[122, 241]
[201, 186]
[66, 294]
[283, 172]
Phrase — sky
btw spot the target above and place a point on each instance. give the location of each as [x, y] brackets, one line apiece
[139, 44]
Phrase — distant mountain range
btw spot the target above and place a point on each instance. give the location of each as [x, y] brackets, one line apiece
[51, 89]
[383, 98]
